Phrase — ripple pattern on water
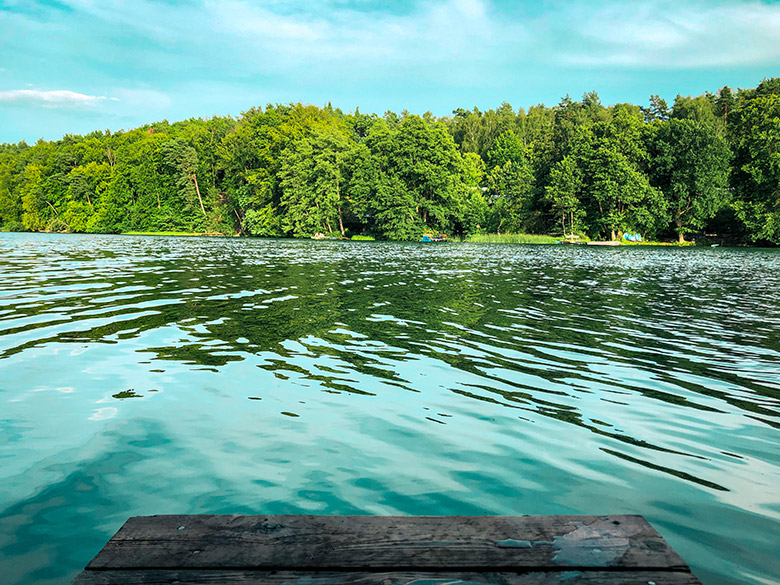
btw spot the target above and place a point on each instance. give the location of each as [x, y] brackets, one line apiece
[143, 375]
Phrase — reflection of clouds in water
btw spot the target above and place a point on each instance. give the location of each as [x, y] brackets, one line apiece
[755, 488]
[61, 389]
[76, 501]
[104, 413]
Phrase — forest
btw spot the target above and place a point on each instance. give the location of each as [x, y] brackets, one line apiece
[708, 164]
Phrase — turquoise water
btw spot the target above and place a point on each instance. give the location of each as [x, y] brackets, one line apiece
[155, 375]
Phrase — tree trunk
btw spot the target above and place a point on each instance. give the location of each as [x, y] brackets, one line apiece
[680, 233]
[571, 224]
[613, 235]
[338, 205]
[57, 215]
[197, 190]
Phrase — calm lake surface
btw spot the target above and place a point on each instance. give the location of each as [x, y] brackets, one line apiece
[156, 375]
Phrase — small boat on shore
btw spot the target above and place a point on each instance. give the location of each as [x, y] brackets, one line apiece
[606, 243]
[433, 238]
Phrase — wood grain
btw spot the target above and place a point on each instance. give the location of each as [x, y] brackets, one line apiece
[379, 543]
[213, 577]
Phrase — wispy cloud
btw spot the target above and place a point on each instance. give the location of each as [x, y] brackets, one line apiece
[60, 98]
[179, 58]
[251, 37]
[449, 41]
[672, 35]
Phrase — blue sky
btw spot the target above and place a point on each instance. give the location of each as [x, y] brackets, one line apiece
[72, 66]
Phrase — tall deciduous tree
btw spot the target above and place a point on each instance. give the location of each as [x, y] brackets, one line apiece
[622, 194]
[755, 133]
[510, 182]
[183, 159]
[312, 182]
[424, 158]
[700, 109]
[507, 148]
[689, 162]
[10, 202]
[563, 194]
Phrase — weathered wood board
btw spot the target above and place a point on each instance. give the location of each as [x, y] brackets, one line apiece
[387, 550]
[213, 577]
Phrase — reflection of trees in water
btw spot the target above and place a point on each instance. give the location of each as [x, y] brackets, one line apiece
[538, 334]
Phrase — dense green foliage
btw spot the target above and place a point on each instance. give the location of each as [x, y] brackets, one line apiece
[708, 163]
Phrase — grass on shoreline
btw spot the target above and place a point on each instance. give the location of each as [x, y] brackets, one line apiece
[169, 234]
[512, 239]
[541, 239]
[474, 238]
[649, 243]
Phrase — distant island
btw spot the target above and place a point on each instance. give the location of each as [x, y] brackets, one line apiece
[706, 165]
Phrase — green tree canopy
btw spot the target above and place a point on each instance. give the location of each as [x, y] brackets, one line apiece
[295, 170]
[755, 134]
[689, 162]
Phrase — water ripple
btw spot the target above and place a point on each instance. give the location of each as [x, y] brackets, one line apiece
[161, 375]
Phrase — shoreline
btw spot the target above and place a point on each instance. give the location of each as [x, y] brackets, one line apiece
[511, 239]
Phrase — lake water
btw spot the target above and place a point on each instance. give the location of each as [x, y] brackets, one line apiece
[156, 375]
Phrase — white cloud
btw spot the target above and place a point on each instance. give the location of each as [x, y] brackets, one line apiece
[666, 35]
[242, 18]
[449, 40]
[61, 98]
[174, 59]
[452, 42]
[270, 36]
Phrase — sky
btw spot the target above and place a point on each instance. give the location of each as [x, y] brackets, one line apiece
[73, 66]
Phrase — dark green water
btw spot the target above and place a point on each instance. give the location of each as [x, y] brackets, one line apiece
[174, 375]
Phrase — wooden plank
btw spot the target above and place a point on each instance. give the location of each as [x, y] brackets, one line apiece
[205, 577]
[386, 542]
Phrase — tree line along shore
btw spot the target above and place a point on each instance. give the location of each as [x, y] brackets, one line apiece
[703, 165]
